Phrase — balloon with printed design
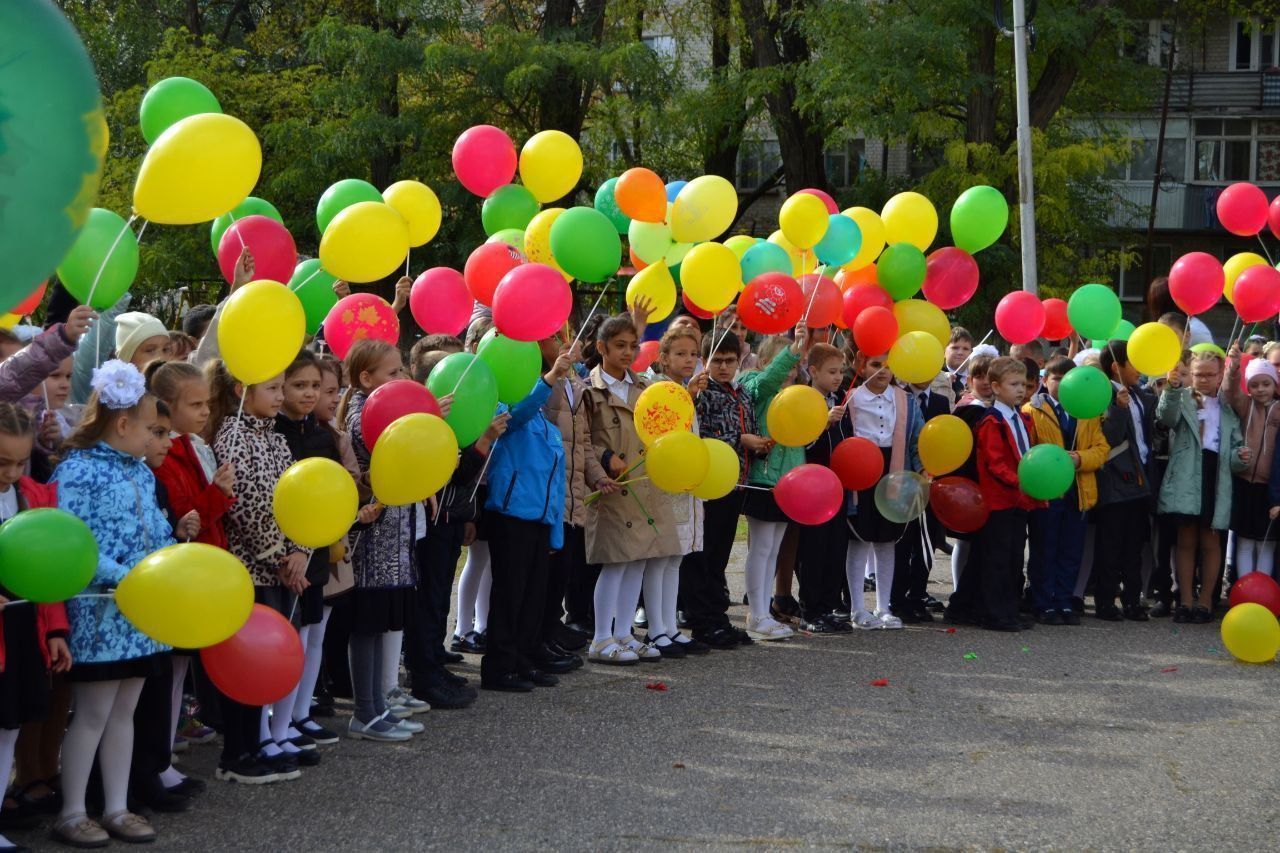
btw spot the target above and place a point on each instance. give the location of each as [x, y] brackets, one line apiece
[358, 317]
[771, 304]
[661, 408]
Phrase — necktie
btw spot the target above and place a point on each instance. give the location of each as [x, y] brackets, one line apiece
[1066, 424]
[1016, 423]
[924, 401]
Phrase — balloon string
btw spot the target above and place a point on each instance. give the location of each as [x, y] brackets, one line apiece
[816, 283]
[1231, 337]
[111, 594]
[1264, 248]
[239, 237]
[970, 358]
[465, 371]
[590, 314]
[143, 229]
[485, 467]
[303, 283]
[97, 326]
[595, 496]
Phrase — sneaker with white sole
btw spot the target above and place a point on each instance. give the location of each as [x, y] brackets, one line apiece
[767, 628]
[379, 728]
[405, 699]
[865, 620]
[610, 651]
[888, 621]
[646, 652]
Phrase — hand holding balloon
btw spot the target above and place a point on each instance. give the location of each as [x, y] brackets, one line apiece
[50, 432]
[78, 322]
[834, 416]
[225, 478]
[801, 343]
[403, 286]
[342, 289]
[562, 366]
[446, 405]
[698, 383]
[1246, 453]
[493, 433]
[188, 527]
[244, 269]
[369, 513]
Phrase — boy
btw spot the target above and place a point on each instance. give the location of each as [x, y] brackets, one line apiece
[419, 367]
[1057, 532]
[909, 597]
[958, 352]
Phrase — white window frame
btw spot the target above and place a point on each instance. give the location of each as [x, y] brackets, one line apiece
[1255, 45]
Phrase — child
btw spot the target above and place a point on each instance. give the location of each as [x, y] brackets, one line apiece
[141, 339]
[958, 351]
[909, 598]
[1250, 521]
[1057, 532]
[104, 481]
[1197, 486]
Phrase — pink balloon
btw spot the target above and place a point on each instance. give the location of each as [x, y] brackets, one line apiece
[646, 354]
[532, 302]
[1195, 282]
[1273, 217]
[1019, 317]
[824, 307]
[485, 268]
[826, 199]
[809, 494]
[1242, 209]
[1259, 298]
[392, 401]
[357, 317]
[950, 278]
[440, 302]
[484, 158]
[270, 243]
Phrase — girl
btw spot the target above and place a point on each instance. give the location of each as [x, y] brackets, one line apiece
[625, 530]
[1197, 487]
[33, 637]
[384, 565]
[141, 339]
[104, 481]
[1250, 521]
[766, 523]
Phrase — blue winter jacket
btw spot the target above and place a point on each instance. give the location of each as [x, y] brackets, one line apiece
[115, 494]
[526, 472]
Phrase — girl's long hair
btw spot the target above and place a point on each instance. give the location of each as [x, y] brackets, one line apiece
[364, 355]
[166, 378]
[223, 400]
[15, 421]
[669, 338]
[97, 419]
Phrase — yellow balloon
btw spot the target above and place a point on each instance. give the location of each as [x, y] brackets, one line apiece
[797, 416]
[315, 502]
[537, 239]
[8, 321]
[413, 459]
[677, 462]
[262, 327]
[916, 357]
[723, 470]
[739, 243]
[419, 206]
[663, 407]
[198, 169]
[916, 315]
[365, 242]
[1235, 265]
[872, 227]
[801, 262]
[1250, 632]
[711, 276]
[189, 596]
[656, 283]
[804, 220]
[703, 210]
[945, 444]
[909, 218]
[1154, 349]
[550, 165]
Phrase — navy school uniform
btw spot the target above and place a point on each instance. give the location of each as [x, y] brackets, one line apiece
[821, 551]
[911, 564]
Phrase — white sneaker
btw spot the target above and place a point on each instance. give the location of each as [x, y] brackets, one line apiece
[610, 651]
[866, 620]
[888, 621]
[767, 628]
[405, 699]
[645, 652]
[410, 726]
[379, 728]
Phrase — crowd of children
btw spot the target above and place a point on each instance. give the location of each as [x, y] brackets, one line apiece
[143, 434]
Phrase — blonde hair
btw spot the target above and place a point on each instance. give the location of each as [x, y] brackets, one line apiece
[364, 355]
[14, 420]
[669, 338]
[769, 349]
[97, 419]
[166, 378]
[1005, 366]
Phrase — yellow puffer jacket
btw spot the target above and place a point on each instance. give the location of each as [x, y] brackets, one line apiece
[1090, 444]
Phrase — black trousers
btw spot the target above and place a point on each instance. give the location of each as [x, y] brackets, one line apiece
[241, 725]
[566, 564]
[702, 583]
[152, 719]
[1004, 539]
[336, 668]
[520, 554]
[911, 567]
[820, 558]
[424, 634]
[1117, 555]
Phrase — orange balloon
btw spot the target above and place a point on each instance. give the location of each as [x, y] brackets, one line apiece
[641, 195]
[636, 262]
[846, 279]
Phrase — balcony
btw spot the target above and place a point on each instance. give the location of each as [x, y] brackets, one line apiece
[1179, 207]
[1226, 91]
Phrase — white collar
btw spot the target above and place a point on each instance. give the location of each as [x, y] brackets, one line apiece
[1004, 410]
[865, 393]
[610, 382]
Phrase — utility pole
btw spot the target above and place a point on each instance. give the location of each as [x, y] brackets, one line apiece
[1026, 184]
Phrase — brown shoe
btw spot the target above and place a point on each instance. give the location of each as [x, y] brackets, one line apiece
[78, 830]
[129, 827]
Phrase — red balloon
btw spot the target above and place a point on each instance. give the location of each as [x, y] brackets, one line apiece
[646, 355]
[260, 663]
[1257, 293]
[1019, 317]
[532, 302]
[809, 494]
[32, 302]
[1242, 209]
[392, 401]
[360, 316]
[858, 463]
[958, 504]
[1257, 588]
[440, 302]
[270, 243]
[486, 267]
[826, 304]
[484, 158]
[1195, 282]
[1056, 324]
[875, 330]
[1273, 217]
[861, 297]
[771, 303]
[700, 313]
[950, 277]
[826, 199]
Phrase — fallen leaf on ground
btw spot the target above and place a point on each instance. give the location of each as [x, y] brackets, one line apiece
[678, 766]
[656, 685]
[1170, 669]
[970, 655]
[880, 682]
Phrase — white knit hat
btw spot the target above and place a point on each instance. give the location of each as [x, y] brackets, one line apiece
[134, 327]
[1261, 367]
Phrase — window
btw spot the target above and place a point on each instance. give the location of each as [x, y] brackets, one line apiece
[1229, 150]
[757, 160]
[1130, 280]
[1147, 42]
[1254, 45]
[663, 46]
[845, 163]
[1142, 165]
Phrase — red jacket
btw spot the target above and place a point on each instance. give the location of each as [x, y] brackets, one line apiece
[51, 619]
[183, 476]
[998, 462]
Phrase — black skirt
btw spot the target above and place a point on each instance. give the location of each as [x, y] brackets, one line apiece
[868, 524]
[1208, 492]
[482, 529]
[24, 684]
[376, 611]
[1250, 511]
[119, 670]
[760, 505]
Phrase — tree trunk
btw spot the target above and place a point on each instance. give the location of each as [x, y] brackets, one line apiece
[980, 116]
[563, 105]
[724, 132]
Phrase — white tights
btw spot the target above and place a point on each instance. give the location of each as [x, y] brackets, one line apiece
[390, 644]
[762, 562]
[312, 651]
[170, 776]
[1253, 555]
[103, 724]
[8, 740]
[877, 556]
[616, 596]
[661, 586]
[473, 591]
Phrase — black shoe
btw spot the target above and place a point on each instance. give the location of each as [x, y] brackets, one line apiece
[1182, 614]
[821, 625]
[1136, 613]
[575, 661]
[445, 697]
[671, 651]
[509, 683]
[471, 643]
[784, 607]
[14, 848]
[934, 604]
[155, 796]
[19, 817]
[315, 731]
[1077, 604]
[49, 804]
[955, 616]
[541, 679]
[743, 638]
[1201, 615]
[571, 640]
[450, 657]
[1108, 613]
[682, 621]
[549, 660]
[453, 678]
[691, 646]
[305, 757]
[945, 547]
[246, 770]
[283, 765]
[189, 787]
[1051, 617]
[841, 626]
[1070, 617]
[720, 638]
[843, 616]
[1010, 626]
[1160, 610]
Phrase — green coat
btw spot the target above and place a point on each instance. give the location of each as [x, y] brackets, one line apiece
[763, 386]
[1181, 490]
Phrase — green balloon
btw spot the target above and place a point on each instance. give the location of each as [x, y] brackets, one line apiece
[106, 237]
[251, 206]
[475, 400]
[342, 195]
[46, 555]
[1085, 392]
[53, 138]
[314, 289]
[1094, 311]
[902, 496]
[1045, 472]
[586, 245]
[900, 270]
[510, 206]
[608, 205]
[516, 365]
[170, 101]
[978, 218]
[1121, 332]
[513, 237]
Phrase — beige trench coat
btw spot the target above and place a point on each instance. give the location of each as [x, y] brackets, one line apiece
[582, 463]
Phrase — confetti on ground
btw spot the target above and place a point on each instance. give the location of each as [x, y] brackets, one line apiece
[1170, 669]
[970, 655]
[656, 685]
[947, 630]
[880, 682]
[1212, 650]
[678, 766]
[1026, 648]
